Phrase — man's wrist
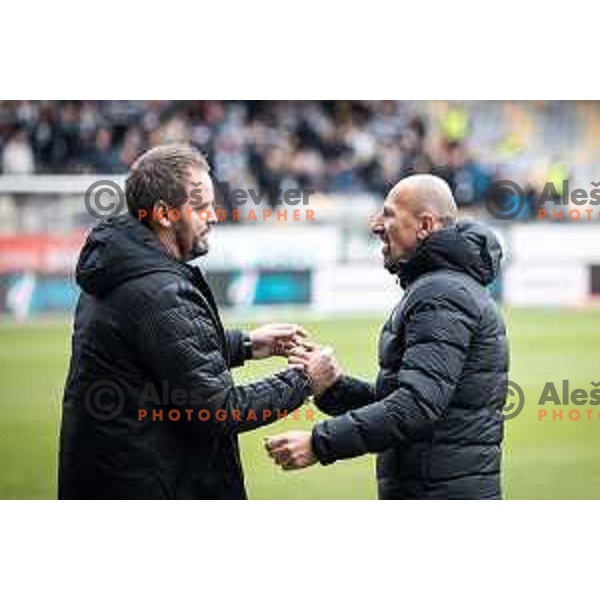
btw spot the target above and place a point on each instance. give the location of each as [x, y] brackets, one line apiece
[308, 388]
[323, 389]
[317, 447]
[247, 345]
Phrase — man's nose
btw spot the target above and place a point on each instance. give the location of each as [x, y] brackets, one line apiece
[212, 218]
[375, 223]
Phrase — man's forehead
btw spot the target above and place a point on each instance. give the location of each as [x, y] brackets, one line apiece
[198, 174]
[199, 181]
[395, 198]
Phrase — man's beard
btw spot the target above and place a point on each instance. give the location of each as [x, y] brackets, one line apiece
[189, 251]
[393, 265]
[200, 248]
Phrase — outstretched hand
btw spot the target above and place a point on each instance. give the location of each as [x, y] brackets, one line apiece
[276, 339]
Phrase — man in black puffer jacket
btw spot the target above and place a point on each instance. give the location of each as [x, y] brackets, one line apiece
[149, 346]
[434, 415]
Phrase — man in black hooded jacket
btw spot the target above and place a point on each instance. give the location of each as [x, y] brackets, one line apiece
[150, 406]
[434, 415]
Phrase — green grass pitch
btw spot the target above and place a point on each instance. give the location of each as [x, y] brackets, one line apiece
[542, 459]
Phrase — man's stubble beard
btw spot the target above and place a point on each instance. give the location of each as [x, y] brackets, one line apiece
[199, 249]
[199, 246]
[393, 265]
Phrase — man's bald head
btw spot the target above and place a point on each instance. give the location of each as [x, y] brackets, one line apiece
[415, 207]
[426, 193]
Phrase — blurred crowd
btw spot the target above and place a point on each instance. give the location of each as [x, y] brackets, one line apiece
[331, 146]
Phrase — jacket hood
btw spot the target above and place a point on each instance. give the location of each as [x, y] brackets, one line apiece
[118, 249]
[468, 247]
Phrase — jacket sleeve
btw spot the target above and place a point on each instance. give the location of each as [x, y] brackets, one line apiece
[438, 332]
[179, 343]
[347, 393]
[235, 345]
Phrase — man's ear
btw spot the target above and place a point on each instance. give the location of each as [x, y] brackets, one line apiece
[427, 224]
[160, 214]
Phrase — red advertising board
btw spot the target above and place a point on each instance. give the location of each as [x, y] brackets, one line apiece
[40, 253]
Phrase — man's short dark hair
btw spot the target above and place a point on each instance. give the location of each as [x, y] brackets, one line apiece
[160, 174]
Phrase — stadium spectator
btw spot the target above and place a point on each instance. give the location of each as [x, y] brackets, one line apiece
[17, 155]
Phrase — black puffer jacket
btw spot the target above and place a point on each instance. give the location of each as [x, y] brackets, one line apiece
[434, 414]
[147, 335]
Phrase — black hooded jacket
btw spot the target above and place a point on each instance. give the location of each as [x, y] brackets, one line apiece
[434, 415]
[147, 336]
